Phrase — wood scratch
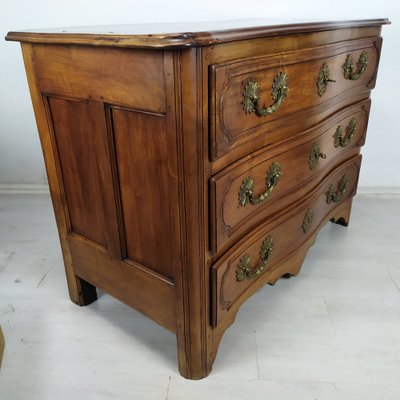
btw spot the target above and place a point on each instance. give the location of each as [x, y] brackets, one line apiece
[44, 276]
[7, 261]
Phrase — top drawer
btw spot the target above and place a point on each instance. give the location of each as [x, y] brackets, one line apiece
[257, 101]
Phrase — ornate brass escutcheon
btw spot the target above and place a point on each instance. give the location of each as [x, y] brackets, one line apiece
[323, 80]
[244, 270]
[251, 95]
[335, 195]
[348, 67]
[315, 155]
[345, 140]
[307, 221]
[246, 189]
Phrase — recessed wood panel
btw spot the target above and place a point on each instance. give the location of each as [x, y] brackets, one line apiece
[142, 160]
[80, 136]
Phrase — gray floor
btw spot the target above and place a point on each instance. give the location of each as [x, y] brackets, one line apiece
[331, 333]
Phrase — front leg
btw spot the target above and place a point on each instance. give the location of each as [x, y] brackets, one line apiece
[342, 213]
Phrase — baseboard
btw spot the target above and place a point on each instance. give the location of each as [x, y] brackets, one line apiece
[379, 190]
[23, 188]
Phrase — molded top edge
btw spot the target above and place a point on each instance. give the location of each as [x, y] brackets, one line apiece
[178, 35]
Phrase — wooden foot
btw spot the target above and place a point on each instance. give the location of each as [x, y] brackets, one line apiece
[195, 369]
[87, 293]
[342, 214]
[81, 292]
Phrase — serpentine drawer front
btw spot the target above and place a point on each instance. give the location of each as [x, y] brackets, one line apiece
[258, 256]
[188, 168]
[249, 191]
[290, 85]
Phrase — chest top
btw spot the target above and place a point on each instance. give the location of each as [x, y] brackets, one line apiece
[178, 35]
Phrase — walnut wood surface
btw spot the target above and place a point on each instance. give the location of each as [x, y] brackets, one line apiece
[286, 228]
[142, 164]
[146, 149]
[136, 81]
[79, 125]
[289, 266]
[177, 35]
[229, 220]
[231, 127]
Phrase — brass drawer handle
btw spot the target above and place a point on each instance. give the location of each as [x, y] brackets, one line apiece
[345, 140]
[251, 95]
[246, 189]
[315, 155]
[348, 67]
[307, 221]
[334, 196]
[244, 270]
[323, 80]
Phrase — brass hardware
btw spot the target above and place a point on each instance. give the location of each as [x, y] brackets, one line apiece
[345, 140]
[334, 196]
[307, 221]
[251, 94]
[323, 80]
[246, 189]
[244, 270]
[348, 67]
[315, 155]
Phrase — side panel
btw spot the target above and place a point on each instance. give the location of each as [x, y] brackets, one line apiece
[80, 136]
[112, 170]
[142, 164]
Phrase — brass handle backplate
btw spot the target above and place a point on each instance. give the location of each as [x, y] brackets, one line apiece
[244, 270]
[246, 194]
[251, 95]
[323, 80]
[307, 221]
[345, 140]
[315, 155]
[335, 195]
[348, 67]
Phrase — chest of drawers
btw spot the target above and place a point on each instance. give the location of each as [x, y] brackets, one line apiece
[191, 165]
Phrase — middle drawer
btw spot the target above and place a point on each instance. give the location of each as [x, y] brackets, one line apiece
[252, 189]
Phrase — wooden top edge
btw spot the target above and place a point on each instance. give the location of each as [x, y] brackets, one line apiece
[178, 35]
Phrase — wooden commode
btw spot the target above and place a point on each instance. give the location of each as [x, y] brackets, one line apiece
[189, 165]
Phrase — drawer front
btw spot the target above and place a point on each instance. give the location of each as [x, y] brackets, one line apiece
[252, 190]
[261, 252]
[258, 101]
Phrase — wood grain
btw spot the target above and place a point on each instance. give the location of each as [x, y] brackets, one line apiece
[289, 266]
[80, 291]
[175, 35]
[131, 283]
[79, 130]
[142, 163]
[229, 220]
[231, 126]
[146, 148]
[136, 80]
[286, 228]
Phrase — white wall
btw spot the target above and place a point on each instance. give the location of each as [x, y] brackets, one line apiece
[20, 154]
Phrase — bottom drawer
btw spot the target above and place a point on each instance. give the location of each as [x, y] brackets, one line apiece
[237, 274]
